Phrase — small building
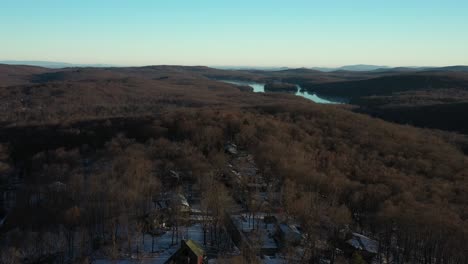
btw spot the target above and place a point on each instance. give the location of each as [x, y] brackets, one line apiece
[168, 200]
[365, 246]
[188, 253]
[180, 201]
[289, 234]
[231, 148]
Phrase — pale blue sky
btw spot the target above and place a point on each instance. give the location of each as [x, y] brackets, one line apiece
[241, 32]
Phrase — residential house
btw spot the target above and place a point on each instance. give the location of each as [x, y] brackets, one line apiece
[189, 253]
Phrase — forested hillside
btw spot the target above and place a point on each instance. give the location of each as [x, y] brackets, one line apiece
[87, 152]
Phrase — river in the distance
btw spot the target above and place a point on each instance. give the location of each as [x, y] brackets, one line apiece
[257, 87]
[314, 97]
[260, 88]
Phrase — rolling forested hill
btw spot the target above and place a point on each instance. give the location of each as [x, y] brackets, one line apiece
[124, 128]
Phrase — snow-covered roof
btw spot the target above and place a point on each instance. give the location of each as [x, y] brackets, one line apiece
[231, 148]
[289, 228]
[195, 248]
[57, 186]
[364, 243]
[179, 198]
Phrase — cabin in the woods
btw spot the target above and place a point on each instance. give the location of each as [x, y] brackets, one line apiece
[289, 234]
[231, 148]
[361, 244]
[173, 200]
[188, 253]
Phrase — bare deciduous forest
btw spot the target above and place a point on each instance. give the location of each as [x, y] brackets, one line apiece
[109, 164]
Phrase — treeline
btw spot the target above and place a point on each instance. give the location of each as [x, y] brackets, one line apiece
[444, 116]
[333, 169]
[78, 200]
[388, 85]
[406, 187]
[392, 180]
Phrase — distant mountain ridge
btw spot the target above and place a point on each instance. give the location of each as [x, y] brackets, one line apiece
[351, 68]
[52, 64]
[356, 67]
[376, 68]
[362, 67]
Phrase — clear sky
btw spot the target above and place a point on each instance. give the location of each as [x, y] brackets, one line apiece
[236, 32]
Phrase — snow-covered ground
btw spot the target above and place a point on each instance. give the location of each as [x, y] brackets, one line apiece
[163, 246]
[266, 231]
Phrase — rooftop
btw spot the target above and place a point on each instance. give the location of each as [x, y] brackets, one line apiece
[362, 242]
[197, 249]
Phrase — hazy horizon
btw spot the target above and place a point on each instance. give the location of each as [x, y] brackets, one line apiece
[245, 33]
[72, 64]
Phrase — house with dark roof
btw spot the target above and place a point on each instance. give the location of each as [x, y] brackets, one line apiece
[289, 234]
[231, 148]
[189, 253]
[167, 200]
